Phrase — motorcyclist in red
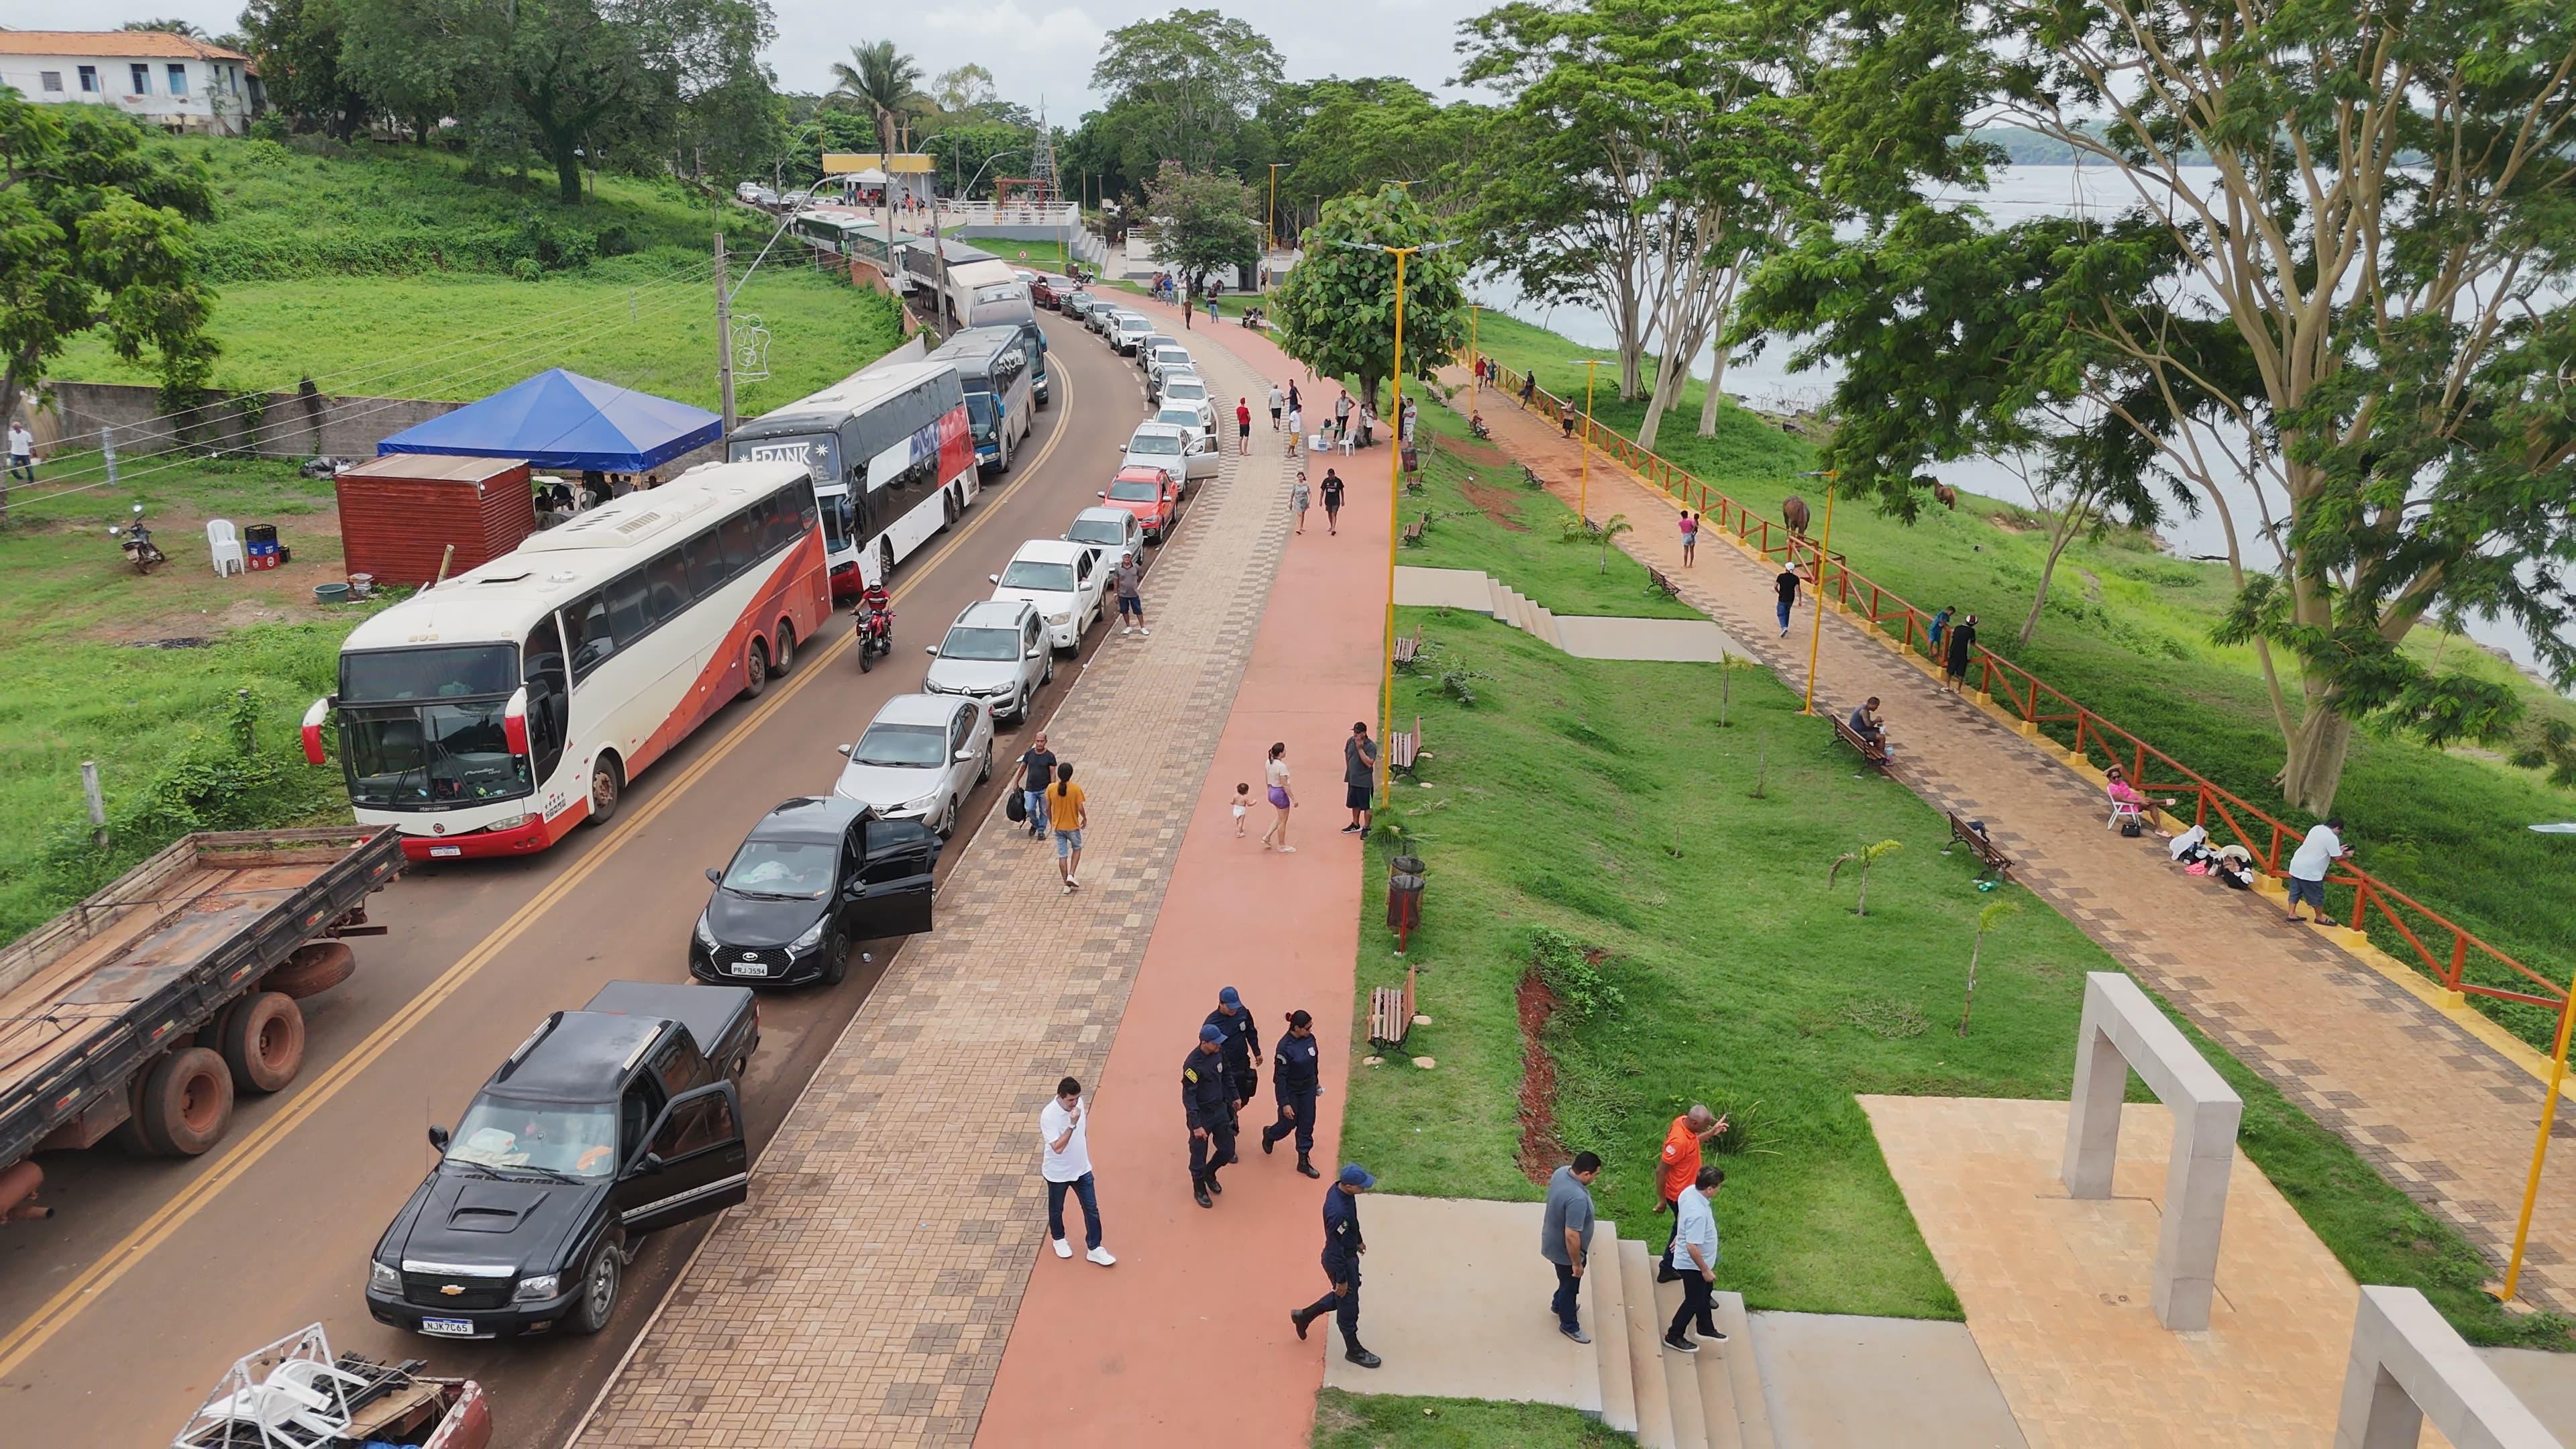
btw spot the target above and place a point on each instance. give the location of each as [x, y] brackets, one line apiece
[875, 614]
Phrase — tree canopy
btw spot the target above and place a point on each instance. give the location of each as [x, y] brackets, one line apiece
[1336, 310]
[1203, 224]
[1182, 87]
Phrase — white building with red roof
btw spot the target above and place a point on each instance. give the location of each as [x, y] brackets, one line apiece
[173, 81]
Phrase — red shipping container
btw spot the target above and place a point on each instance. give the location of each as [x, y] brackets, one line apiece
[399, 513]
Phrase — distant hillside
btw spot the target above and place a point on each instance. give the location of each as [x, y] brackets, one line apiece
[2026, 147]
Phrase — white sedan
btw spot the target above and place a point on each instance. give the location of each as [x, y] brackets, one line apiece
[919, 759]
[1161, 445]
[1064, 579]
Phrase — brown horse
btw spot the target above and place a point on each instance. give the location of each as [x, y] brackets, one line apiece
[1946, 496]
[1793, 512]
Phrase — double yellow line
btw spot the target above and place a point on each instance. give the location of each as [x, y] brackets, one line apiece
[66, 1305]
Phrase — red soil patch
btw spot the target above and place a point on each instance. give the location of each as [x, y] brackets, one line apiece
[1496, 504]
[1483, 455]
[1540, 1154]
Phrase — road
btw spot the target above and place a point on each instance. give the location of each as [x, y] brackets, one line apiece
[119, 1314]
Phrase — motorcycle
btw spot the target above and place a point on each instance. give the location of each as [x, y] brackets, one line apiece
[876, 636]
[140, 550]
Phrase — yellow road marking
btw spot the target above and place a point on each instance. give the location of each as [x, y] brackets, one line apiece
[152, 1232]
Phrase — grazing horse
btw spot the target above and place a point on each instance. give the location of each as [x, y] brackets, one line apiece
[1946, 496]
[1793, 512]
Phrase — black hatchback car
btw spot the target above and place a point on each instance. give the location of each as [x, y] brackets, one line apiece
[815, 875]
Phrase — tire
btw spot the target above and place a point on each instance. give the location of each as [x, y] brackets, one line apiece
[1047, 677]
[785, 650]
[187, 1103]
[867, 656]
[316, 967]
[947, 825]
[601, 1278]
[1020, 711]
[607, 786]
[755, 669]
[985, 773]
[1003, 468]
[836, 962]
[261, 1040]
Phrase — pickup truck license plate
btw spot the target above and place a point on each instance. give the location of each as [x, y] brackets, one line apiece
[746, 968]
[437, 850]
[453, 1327]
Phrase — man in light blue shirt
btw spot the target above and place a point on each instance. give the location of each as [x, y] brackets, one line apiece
[1693, 1260]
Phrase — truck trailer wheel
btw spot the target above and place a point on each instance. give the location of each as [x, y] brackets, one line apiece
[262, 1041]
[187, 1102]
[316, 967]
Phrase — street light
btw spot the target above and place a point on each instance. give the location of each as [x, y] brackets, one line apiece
[1394, 493]
[1583, 490]
[1824, 550]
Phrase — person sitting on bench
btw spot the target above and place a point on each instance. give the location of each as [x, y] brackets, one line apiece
[1864, 723]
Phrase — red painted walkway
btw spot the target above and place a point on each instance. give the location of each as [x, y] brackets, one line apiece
[1187, 1340]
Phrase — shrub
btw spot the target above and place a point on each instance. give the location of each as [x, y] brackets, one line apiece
[1573, 972]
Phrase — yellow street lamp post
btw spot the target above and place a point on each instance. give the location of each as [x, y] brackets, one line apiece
[1583, 491]
[2540, 1147]
[1473, 312]
[1824, 552]
[1394, 495]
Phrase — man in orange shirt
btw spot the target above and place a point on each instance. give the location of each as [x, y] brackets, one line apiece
[1679, 1168]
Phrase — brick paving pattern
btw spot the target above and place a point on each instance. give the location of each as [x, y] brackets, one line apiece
[2443, 1115]
[863, 1296]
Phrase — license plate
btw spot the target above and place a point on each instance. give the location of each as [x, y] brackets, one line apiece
[452, 1327]
[746, 968]
[438, 850]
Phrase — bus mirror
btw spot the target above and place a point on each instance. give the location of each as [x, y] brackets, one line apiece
[514, 722]
[313, 719]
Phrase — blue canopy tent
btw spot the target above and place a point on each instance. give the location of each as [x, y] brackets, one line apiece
[560, 419]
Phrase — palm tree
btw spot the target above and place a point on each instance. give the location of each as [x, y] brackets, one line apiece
[1865, 857]
[881, 80]
[1994, 911]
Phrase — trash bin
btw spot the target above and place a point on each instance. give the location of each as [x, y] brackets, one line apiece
[1407, 865]
[1412, 459]
[1403, 907]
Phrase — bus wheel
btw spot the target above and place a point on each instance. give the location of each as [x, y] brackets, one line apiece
[607, 784]
[786, 649]
[755, 669]
[948, 507]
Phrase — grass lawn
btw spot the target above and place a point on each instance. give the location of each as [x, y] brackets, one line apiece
[1603, 801]
[2126, 630]
[76, 644]
[464, 336]
[1395, 1421]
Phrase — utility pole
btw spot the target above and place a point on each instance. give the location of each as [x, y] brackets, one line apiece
[724, 335]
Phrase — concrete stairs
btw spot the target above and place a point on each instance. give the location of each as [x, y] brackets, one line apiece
[1708, 1400]
[1512, 607]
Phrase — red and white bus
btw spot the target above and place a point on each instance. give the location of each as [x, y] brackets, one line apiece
[893, 459]
[491, 714]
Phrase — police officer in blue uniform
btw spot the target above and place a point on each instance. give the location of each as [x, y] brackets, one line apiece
[1342, 1248]
[1242, 1049]
[1295, 1080]
[1207, 1103]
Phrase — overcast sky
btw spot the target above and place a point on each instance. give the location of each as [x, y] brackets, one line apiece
[1033, 47]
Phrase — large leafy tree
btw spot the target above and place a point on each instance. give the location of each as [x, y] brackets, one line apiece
[1184, 87]
[1334, 136]
[96, 231]
[298, 45]
[1203, 224]
[1336, 310]
[2352, 319]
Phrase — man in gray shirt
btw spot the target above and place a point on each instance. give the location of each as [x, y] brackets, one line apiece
[1131, 597]
[1565, 1238]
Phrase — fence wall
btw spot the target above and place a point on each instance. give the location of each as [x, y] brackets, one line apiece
[273, 425]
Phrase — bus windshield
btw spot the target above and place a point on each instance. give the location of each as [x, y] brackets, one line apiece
[456, 671]
[983, 417]
[429, 755]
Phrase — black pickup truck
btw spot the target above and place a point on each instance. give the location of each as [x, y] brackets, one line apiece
[606, 1124]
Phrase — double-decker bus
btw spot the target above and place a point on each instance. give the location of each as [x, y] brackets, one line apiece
[492, 713]
[892, 455]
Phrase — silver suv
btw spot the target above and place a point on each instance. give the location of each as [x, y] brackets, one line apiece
[996, 652]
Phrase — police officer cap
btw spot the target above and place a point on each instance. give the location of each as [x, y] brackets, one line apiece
[1358, 1176]
[1230, 997]
[1211, 1033]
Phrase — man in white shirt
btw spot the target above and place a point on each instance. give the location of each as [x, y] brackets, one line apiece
[1694, 1262]
[1064, 1129]
[22, 452]
[2316, 855]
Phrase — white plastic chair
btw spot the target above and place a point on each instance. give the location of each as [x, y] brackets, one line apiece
[223, 541]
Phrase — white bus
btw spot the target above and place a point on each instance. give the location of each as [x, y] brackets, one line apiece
[492, 713]
[892, 455]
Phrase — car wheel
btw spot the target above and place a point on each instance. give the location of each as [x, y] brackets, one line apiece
[836, 961]
[947, 819]
[600, 1280]
[1020, 710]
[985, 771]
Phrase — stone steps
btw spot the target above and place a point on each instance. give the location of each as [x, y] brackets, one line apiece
[1708, 1400]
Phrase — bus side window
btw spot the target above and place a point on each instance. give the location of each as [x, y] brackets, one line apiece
[741, 542]
[592, 640]
[669, 576]
[549, 688]
[628, 616]
[787, 522]
[705, 556]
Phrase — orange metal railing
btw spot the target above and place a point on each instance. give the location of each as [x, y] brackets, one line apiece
[2446, 951]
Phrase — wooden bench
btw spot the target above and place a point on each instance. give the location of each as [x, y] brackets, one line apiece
[1529, 475]
[1391, 1013]
[1661, 581]
[1872, 752]
[1413, 531]
[1996, 862]
[1408, 648]
[1404, 751]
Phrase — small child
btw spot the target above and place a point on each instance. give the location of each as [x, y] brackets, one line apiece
[1242, 807]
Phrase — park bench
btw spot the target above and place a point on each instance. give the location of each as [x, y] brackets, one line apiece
[1413, 531]
[1404, 751]
[1996, 862]
[1663, 582]
[1529, 475]
[1391, 1013]
[1408, 648]
[1871, 751]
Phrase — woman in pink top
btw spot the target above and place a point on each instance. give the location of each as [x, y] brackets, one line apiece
[1690, 538]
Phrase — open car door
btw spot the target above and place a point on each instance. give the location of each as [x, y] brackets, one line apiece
[1202, 457]
[891, 897]
[695, 1162]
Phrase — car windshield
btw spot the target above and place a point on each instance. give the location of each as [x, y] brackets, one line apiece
[1131, 491]
[800, 869]
[1102, 530]
[1030, 573]
[1172, 357]
[500, 1133]
[1155, 445]
[1186, 388]
[1179, 417]
[1134, 324]
[901, 746]
[980, 644]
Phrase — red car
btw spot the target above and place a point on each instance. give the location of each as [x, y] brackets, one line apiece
[1153, 495]
[1047, 291]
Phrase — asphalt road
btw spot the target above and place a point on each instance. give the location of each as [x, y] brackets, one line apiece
[120, 1314]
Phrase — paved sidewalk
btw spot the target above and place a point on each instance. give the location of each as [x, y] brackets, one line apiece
[2445, 1115]
[862, 1296]
[1187, 1339]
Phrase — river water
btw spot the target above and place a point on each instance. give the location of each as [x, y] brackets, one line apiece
[1764, 380]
